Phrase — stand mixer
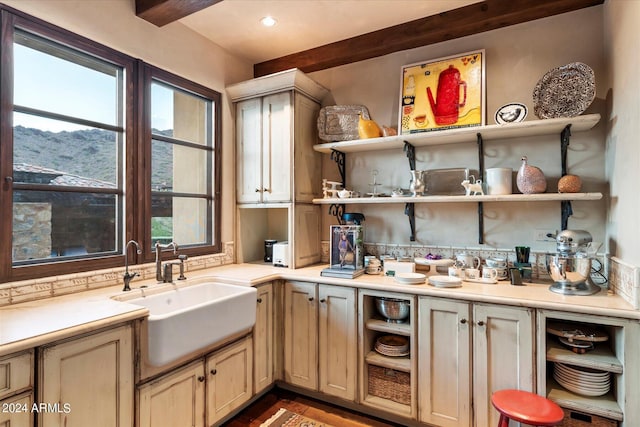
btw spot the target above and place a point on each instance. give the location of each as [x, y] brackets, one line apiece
[570, 266]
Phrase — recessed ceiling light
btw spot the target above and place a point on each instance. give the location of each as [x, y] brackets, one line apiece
[268, 21]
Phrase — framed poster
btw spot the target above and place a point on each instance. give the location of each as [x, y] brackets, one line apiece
[444, 93]
[347, 251]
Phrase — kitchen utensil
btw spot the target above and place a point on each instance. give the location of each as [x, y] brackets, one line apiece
[570, 266]
[522, 254]
[417, 184]
[410, 278]
[446, 109]
[498, 180]
[394, 310]
[564, 91]
[468, 260]
[511, 113]
[445, 281]
[340, 122]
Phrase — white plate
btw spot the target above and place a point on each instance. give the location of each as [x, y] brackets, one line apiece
[445, 281]
[577, 389]
[511, 113]
[582, 372]
[484, 280]
[444, 262]
[603, 386]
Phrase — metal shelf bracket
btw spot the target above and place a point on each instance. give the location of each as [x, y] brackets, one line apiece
[565, 207]
[340, 158]
[337, 210]
[480, 143]
[409, 210]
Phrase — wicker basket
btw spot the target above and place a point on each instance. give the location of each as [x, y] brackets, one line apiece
[579, 419]
[390, 384]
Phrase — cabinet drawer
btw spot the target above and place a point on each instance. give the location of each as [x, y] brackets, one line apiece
[16, 373]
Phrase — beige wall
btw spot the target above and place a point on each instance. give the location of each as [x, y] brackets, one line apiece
[173, 47]
[623, 122]
[517, 57]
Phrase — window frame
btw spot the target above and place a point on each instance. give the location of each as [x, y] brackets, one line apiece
[136, 223]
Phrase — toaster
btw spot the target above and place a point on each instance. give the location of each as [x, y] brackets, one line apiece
[281, 254]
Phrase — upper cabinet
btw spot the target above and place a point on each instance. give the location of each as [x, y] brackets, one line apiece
[275, 134]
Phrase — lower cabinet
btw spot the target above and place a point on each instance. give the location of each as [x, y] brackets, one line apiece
[88, 379]
[466, 352]
[263, 340]
[16, 390]
[203, 392]
[320, 338]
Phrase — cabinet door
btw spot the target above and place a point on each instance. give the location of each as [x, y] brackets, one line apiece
[301, 335]
[308, 162]
[16, 411]
[249, 151]
[93, 376]
[307, 234]
[503, 355]
[444, 362]
[337, 337]
[229, 379]
[277, 125]
[176, 399]
[263, 339]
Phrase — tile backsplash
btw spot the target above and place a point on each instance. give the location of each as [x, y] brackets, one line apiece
[47, 287]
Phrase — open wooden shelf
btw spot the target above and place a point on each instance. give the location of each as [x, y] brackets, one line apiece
[455, 136]
[381, 325]
[552, 197]
[605, 406]
[401, 363]
[601, 357]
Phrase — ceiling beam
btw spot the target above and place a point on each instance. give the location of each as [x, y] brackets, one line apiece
[473, 19]
[163, 12]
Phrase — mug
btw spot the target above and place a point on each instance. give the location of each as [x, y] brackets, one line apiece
[373, 269]
[502, 273]
[468, 260]
[472, 273]
[496, 262]
[456, 271]
[490, 273]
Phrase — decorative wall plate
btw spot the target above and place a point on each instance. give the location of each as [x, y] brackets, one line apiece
[565, 91]
[511, 113]
[340, 122]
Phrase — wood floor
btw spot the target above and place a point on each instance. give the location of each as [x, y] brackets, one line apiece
[270, 403]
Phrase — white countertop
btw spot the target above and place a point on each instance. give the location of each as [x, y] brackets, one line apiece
[31, 324]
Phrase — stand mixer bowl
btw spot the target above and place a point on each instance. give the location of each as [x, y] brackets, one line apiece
[571, 274]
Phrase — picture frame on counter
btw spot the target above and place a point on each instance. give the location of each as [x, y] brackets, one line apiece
[346, 252]
[443, 93]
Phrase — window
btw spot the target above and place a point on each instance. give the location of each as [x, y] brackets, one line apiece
[97, 148]
[183, 117]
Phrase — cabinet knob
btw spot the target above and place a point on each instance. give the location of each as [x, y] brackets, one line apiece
[463, 321]
[310, 298]
[266, 190]
[259, 300]
[257, 190]
[201, 378]
[214, 371]
[480, 323]
[323, 300]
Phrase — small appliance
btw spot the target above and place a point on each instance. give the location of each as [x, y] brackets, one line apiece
[570, 266]
[281, 254]
[268, 250]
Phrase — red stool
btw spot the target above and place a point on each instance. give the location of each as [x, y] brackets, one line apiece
[526, 407]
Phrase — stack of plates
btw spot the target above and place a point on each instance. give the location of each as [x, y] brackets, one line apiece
[410, 278]
[392, 345]
[445, 281]
[584, 381]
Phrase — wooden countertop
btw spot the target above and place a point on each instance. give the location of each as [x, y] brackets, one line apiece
[31, 324]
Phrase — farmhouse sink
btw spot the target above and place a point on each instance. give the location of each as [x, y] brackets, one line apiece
[190, 318]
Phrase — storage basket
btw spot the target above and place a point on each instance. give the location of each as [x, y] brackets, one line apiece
[580, 419]
[390, 384]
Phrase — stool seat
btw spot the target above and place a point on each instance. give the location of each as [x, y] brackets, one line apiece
[526, 407]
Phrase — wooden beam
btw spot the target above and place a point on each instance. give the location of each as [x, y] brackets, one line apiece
[464, 21]
[163, 12]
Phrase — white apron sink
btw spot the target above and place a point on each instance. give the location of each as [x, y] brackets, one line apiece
[190, 318]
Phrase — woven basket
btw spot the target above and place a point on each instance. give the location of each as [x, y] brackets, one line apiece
[579, 419]
[390, 384]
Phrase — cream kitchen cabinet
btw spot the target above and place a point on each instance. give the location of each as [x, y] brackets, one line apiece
[177, 399]
[89, 378]
[277, 169]
[16, 390]
[202, 393]
[263, 339]
[466, 352]
[320, 336]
